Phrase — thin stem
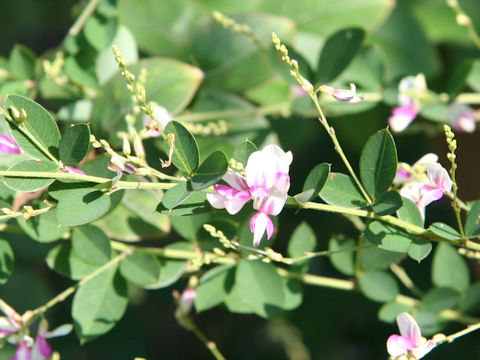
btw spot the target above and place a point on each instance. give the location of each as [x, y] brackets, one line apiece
[15, 214]
[467, 330]
[213, 115]
[331, 132]
[401, 274]
[82, 19]
[69, 291]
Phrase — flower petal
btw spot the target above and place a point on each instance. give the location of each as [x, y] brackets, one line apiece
[235, 180]
[402, 117]
[424, 349]
[398, 345]
[259, 223]
[409, 328]
[23, 352]
[8, 145]
[439, 177]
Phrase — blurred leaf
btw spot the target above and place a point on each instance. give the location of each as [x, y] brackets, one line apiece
[473, 79]
[79, 203]
[378, 259]
[6, 261]
[237, 302]
[419, 249]
[302, 240]
[214, 287]
[404, 45]
[39, 123]
[91, 245]
[341, 256]
[337, 53]
[135, 217]
[470, 299]
[341, 190]
[194, 203]
[30, 184]
[293, 294]
[140, 268]
[78, 111]
[100, 31]
[378, 286]
[171, 269]
[445, 231]
[410, 213]
[243, 152]
[188, 226]
[387, 203]
[472, 223]
[260, 286]
[438, 299]
[74, 144]
[378, 163]
[43, 228]
[22, 63]
[99, 304]
[472, 9]
[210, 171]
[389, 311]
[449, 269]
[176, 195]
[388, 237]
[80, 68]
[63, 260]
[106, 65]
[170, 83]
[314, 182]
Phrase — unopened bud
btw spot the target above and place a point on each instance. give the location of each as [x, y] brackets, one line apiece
[126, 149]
[463, 20]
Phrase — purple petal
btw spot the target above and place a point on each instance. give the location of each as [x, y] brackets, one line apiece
[402, 117]
[43, 346]
[74, 170]
[439, 177]
[398, 345]
[8, 145]
[259, 223]
[23, 352]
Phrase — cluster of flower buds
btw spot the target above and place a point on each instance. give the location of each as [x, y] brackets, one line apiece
[265, 180]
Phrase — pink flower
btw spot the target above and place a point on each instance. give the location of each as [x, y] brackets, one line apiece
[186, 299]
[461, 117]
[343, 95]
[406, 173]
[266, 180]
[74, 170]
[8, 145]
[41, 348]
[162, 118]
[410, 341]
[402, 117]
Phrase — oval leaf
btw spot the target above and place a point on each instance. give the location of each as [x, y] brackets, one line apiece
[341, 190]
[185, 154]
[214, 287]
[449, 269]
[387, 203]
[314, 182]
[140, 268]
[6, 261]
[378, 286]
[388, 237]
[210, 171]
[472, 223]
[74, 144]
[378, 163]
[91, 245]
[30, 184]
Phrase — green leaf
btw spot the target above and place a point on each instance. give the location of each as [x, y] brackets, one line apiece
[80, 68]
[341, 256]
[106, 65]
[378, 259]
[378, 163]
[63, 260]
[91, 245]
[472, 223]
[389, 311]
[387, 203]
[188, 226]
[410, 213]
[210, 171]
[449, 269]
[302, 240]
[337, 53]
[6, 261]
[438, 299]
[180, 200]
[214, 287]
[140, 268]
[378, 286]
[445, 231]
[243, 152]
[74, 144]
[419, 249]
[341, 190]
[185, 155]
[170, 269]
[470, 300]
[99, 304]
[100, 31]
[293, 294]
[43, 228]
[77, 111]
[79, 203]
[260, 286]
[30, 184]
[388, 237]
[39, 124]
[22, 63]
[314, 182]
[472, 9]
[179, 83]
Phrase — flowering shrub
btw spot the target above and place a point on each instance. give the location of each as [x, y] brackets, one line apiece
[130, 155]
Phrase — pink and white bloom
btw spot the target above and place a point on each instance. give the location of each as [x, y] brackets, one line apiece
[160, 116]
[41, 349]
[417, 171]
[266, 181]
[8, 145]
[10, 327]
[410, 341]
[461, 117]
[186, 299]
[74, 170]
[402, 117]
[343, 95]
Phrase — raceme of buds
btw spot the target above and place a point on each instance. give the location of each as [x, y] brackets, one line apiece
[410, 341]
[266, 181]
[8, 145]
[161, 118]
[342, 95]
